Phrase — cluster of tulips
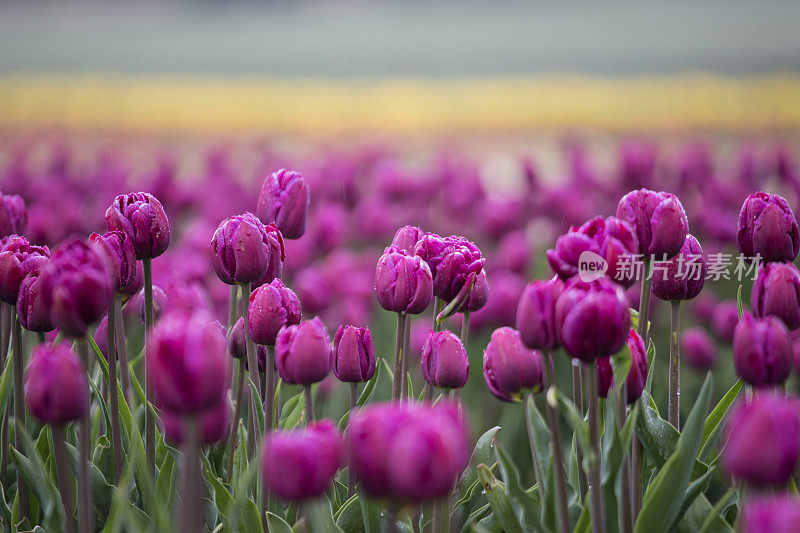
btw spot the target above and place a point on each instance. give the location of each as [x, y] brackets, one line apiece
[217, 418]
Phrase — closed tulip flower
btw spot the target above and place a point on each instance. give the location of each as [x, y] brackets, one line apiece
[451, 261]
[658, 219]
[637, 373]
[187, 365]
[608, 237]
[772, 514]
[509, 368]
[18, 258]
[136, 284]
[403, 282]
[284, 200]
[768, 228]
[142, 217]
[76, 287]
[241, 249]
[776, 292]
[160, 303]
[407, 238]
[762, 440]
[536, 314]
[762, 354]
[477, 297]
[444, 361]
[13, 215]
[683, 276]
[56, 385]
[271, 307]
[33, 307]
[353, 354]
[237, 347]
[117, 249]
[592, 319]
[698, 349]
[214, 423]
[303, 352]
[300, 464]
[277, 255]
[725, 319]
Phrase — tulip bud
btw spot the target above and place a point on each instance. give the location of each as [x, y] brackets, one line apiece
[725, 319]
[136, 284]
[773, 514]
[117, 249]
[237, 343]
[762, 440]
[159, 304]
[303, 352]
[768, 228]
[182, 296]
[609, 238]
[403, 283]
[33, 309]
[592, 319]
[509, 368]
[477, 297]
[284, 200]
[407, 238]
[300, 464]
[142, 217]
[637, 373]
[679, 280]
[451, 261]
[214, 423]
[187, 365]
[76, 287]
[56, 385]
[271, 307]
[241, 249]
[353, 354]
[277, 255]
[776, 292]
[13, 215]
[444, 361]
[698, 349]
[18, 258]
[536, 320]
[762, 355]
[658, 219]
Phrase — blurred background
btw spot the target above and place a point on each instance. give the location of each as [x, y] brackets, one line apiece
[506, 122]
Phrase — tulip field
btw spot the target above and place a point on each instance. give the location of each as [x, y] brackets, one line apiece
[367, 336]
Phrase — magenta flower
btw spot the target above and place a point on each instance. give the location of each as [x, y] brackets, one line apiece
[509, 368]
[33, 306]
[778, 513]
[56, 385]
[403, 282]
[13, 215]
[451, 261]
[444, 361]
[658, 219]
[776, 292]
[18, 258]
[762, 354]
[271, 307]
[698, 349]
[303, 352]
[353, 354]
[637, 373]
[214, 423]
[536, 314]
[683, 276]
[241, 249]
[117, 249]
[284, 200]
[407, 238]
[767, 227]
[142, 217]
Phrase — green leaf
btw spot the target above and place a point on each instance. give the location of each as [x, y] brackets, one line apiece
[320, 516]
[292, 412]
[713, 424]
[99, 355]
[370, 512]
[713, 521]
[498, 501]
[365, 395]
[167, 480]
[252, 518]
[259, 406]
[651, 362]
[739, 302]
[526, 507]
[277, 524]
[480, 454]
[575, 419]
[620, 364]
[5, 384]
[663, 498]
[33, 470]
[348, 517]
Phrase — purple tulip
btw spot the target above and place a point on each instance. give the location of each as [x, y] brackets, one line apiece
[698, 349]
[513, 253]
[536, 314]
[353, 354]
[185, 296]
[313, 289]
[637, 373]
[592, 319]
[56, 385]
[476, 299]
[303, 352]
[142, 217]
[658, 219]
[117, 249]
[403, 282]
[160, 303]
[683, 276]
[18, 258]
[768, 228]
[241, 249]
[283, 200]
[509, 368]
[76, 287]
[33, 307]
[451, 261]
[776, 292]
[505, 289]
[300, 464]
[762, 354]
[13, 215]
[277, 255]
[407, 238]
[771, 514]
[237, 347]
[408, 451]
[215, 422]
[136, 284]
[725, 319]
[186, 360]
[444, 361]
[271, 307]
[609, 238]
[762, 440]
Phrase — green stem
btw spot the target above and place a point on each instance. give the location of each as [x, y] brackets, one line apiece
[84, 444]
[63, 476]
[309, 399]
[577, 399]
[674, 409]
[595, 489]
[537, 471]
[122, 348]
[252, 367]
[644, 333]
[149, 423]
[6, 318]
[116, 435]
[406, 364]
[19, 411]
[351, 475]
[556, 452]
[398, 355]
[191, 505]
[237, 411]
